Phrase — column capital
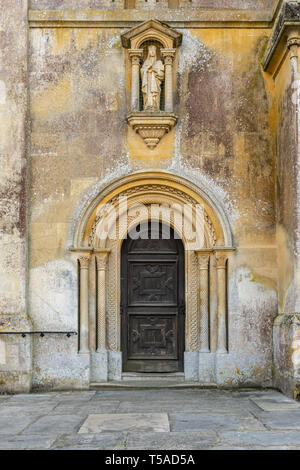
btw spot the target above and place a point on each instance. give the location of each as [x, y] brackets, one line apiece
[203, 258]
[83, 255]
[168, 55]
[135, 55]
[101, 257]
[221, 254]
[84, 259]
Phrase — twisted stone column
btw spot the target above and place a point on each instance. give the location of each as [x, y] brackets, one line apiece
[221, 259]
[168, 55]
[84, 303]
[101, 258]
[135, 57]
[203, 301]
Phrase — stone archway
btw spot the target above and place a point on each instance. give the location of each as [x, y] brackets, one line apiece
[119, 207]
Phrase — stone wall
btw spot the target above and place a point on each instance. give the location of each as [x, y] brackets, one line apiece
[141, 4]
[15, 363]
[282, 65]
[233, 118]
[79, 97]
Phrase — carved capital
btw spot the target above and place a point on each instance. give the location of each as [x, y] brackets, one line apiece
[102, 257]
[168, 55]
[221, 258]
[203, 258]
[135, 56]
[293, 41]
[84, 260]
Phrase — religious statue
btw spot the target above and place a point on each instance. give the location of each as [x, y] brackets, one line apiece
[152, 73]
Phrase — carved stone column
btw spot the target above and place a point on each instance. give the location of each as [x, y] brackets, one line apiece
[135, 57]
[203, 305]
[293, 45]
[84, 259]
[168, 55]
[101, 258]
[221, 258]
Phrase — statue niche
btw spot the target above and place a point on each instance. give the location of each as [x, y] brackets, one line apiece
[152, 74]
[151, 105]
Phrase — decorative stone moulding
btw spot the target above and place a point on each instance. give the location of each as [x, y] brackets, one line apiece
[151, 127]
[151, 51]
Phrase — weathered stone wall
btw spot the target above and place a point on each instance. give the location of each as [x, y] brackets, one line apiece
[79, 97]
[15, 363]
[284, 112]
[104, 4]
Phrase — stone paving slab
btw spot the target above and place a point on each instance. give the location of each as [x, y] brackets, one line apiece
[177, 406]
[192, 419]
[171, 441]
[11, 425]
[143, 422]
[261, 438]
[276, 405]
[26, 443]
[86, 408]
[212, 421]
[103, 440]
[30, 411]
[280, 419]
[50, 424]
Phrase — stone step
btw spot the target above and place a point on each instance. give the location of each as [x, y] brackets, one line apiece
[174, 377]
[148, 384]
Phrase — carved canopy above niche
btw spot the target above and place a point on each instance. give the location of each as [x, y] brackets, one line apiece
[151, 48]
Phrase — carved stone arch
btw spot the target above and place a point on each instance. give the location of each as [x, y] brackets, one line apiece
[174, 185]
[146, 189]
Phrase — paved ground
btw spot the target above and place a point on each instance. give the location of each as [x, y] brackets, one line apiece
[152, 419]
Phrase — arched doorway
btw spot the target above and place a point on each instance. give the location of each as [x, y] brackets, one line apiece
[152, 299]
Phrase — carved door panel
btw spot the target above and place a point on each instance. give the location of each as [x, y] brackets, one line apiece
[152, 301]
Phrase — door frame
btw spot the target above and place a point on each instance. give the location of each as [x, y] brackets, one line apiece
[180, 298]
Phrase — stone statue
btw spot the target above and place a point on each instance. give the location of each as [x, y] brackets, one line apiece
[152, 73]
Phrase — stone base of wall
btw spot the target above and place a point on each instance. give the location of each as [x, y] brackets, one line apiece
[15, 357]
[286, 339]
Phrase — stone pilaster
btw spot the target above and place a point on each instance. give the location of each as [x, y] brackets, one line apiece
[203, 301]
[168, 55]
[221, 259]
[101, 260]
[135, 57]
[84, 259]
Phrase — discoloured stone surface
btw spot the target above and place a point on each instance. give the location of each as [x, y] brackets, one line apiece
[235, 139]
[239, 425]
[157, 422]
[54, 424]
[202, 421]
[275, 405]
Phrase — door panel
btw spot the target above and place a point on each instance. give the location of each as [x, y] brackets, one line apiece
[152, 302]
[151, 283]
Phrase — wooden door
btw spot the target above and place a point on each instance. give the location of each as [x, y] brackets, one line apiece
[153, 301]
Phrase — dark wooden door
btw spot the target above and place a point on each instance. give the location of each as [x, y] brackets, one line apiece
[153, 301]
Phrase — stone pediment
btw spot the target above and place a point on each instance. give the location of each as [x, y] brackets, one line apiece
[169, 37]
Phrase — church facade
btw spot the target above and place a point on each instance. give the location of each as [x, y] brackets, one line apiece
[150, 208]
